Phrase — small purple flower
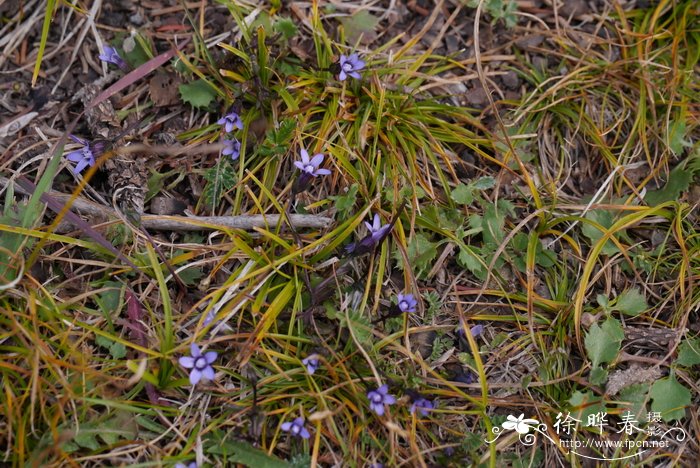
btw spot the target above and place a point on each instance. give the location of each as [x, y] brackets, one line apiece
[232, 148]
[377, 233]
[407, 303]
[200, 364]
[311, 363]
[311, 165]
[377, 230]
[296, 428]
[350, 65]
[423, 405]
[110, 55]
[477, 330]
[182, 465]
[231, 120]
[380, 397]
[209, 318]
[84, 156]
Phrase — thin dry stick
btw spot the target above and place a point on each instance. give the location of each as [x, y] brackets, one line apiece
[188, 223]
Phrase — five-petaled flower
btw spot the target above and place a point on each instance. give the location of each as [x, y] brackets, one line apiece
[407, 303]
[380, 397]
[231, 120]
[311, 165]
[377, 230]
[520, 424]
[200, 364]
[231, 148]
[311, 363]
[296, 428]
[310, 169]
[110, 55]
[190, 465]
[84, 156]
[423, 405]
[377, 233]
[350, 66]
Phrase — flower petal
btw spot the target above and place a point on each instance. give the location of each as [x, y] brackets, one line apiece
[383, 389]
[286, 426]
[389, 399]
[379, 409]
[316, 160]
[195, 376]
[323, 172]
[304, 156]
[208, 373]
[186, 361]
[210, 356]
[194, 350]
[342, 75]
[81, 165]
[304, 433]
[75, 156]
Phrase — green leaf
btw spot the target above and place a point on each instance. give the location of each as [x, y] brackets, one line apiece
[484, 183]
[360, 325]
[584, 404]
[286, 27]
[689, 352]
[669, 398]
[116, 350]
[678, 182]
[191, 275]
[245, 454]
[199, 93]
[282, 135]
[603, 342]
[493, 225]
[344, 203]
[421, 252]
[469, 260]
[221, 178]
[631, 302]
[463, 194]
[359, 24]
[634, 399]
[86, 438]
[676, 137]
[606, 220]
[598, 376]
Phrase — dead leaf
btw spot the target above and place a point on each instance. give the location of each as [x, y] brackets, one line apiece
[163, 88]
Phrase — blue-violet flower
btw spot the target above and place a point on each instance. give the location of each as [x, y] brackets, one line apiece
[200, 364]
[232, 148]
[296, 428]
[110, 55]
[378, 230]
[377, 233]
[407, 303]
[231, 120]
[311, 363]
[380, 397]
[350, 66]
[423, 405]
[311, 165]
[182, 465]
[84, 156]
